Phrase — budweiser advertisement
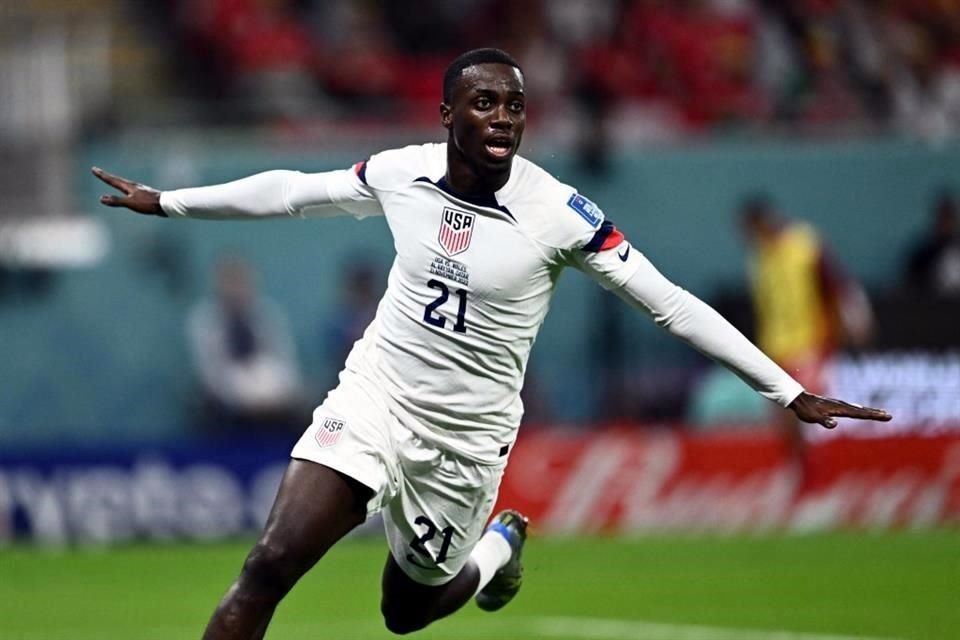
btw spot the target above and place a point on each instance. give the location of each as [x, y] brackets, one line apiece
[640, 482]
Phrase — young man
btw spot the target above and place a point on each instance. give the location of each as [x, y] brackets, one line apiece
[428, 403]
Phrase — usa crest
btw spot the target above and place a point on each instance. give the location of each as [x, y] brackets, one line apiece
[456, 230]
[329, 432]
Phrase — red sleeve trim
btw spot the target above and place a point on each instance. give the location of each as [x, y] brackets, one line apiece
[360, 169]
[612, 240]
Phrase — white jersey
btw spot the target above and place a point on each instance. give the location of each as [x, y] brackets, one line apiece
[471, 285]
[467, 293]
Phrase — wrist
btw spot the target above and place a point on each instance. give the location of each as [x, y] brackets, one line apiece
[166, 207]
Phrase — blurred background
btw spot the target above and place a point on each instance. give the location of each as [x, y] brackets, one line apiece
[794, 163]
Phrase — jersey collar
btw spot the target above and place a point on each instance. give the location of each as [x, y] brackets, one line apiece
[486, 199]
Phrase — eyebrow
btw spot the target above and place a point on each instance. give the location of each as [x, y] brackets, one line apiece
[482, 91]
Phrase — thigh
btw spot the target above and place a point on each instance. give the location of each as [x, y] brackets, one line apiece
[351, 433]
[439, 513]
[315, 506]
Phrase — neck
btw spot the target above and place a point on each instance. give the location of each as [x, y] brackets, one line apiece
[468, 179]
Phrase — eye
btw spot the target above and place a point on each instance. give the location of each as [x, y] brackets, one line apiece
[482, 103]
[517, 107]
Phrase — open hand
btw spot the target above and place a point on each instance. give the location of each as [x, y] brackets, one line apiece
[819, 410]
[136, 197]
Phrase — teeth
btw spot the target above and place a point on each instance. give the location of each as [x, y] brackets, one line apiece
[498, 149]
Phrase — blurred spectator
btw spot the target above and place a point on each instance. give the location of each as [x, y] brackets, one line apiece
[433, 26]
[244, 357]
[354, 311]
[806, 307]
[261, 47]
[360, 65]
[682, 66]
[927, 100]
[933, 265]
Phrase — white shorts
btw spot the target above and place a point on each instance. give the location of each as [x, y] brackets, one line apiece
[435, 504]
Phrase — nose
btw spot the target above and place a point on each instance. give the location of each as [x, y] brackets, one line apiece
[501, 118]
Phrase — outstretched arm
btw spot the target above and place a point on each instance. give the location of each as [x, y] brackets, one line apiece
[264, 195]
[698, 324]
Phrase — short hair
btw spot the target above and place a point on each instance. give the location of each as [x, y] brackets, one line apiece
[472, 58]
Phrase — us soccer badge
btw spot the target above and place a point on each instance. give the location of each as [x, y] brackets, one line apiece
[329, 432]
[456, 230]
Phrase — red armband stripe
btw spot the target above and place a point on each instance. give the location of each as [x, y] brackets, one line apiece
[612, 240]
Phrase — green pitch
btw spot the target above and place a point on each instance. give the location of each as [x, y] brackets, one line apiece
[824, 587]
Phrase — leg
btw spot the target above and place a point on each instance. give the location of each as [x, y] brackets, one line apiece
[314, 508]
[493, 573]
[440, 555]
[409, 606]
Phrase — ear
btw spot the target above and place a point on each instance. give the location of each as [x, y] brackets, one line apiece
[446, 115]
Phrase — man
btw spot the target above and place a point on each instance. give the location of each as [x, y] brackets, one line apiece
[805, 306]
[244, 356]
[933, 266]
[428, 404]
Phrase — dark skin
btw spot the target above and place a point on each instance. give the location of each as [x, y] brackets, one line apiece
[487, 107]
[316, 506]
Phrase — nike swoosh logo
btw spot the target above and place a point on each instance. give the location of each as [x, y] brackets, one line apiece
[623, 256]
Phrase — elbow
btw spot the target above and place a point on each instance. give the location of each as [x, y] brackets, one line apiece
[665, 321]
[675, 304]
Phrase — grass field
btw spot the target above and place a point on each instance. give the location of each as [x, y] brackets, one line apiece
[824, 587]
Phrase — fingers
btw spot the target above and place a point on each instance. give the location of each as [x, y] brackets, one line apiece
[121, 184]
[867, 413]
[842, 409]
[114, 181]
[113, 201]
[848, 410]
[824, 411]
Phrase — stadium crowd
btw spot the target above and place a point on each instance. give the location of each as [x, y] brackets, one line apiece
[692, 65]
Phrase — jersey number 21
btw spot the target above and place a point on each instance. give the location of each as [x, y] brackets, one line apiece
[431, 317]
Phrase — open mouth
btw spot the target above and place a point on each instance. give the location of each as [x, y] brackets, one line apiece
[499, 148]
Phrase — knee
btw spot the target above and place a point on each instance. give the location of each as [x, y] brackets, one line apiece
[271, 567]
[402, 622]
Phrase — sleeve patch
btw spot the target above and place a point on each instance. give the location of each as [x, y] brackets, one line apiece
[587, 209]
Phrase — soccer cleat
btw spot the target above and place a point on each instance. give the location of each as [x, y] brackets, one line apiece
[505, 584]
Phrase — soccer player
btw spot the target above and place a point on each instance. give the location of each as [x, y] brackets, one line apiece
[428, 403]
